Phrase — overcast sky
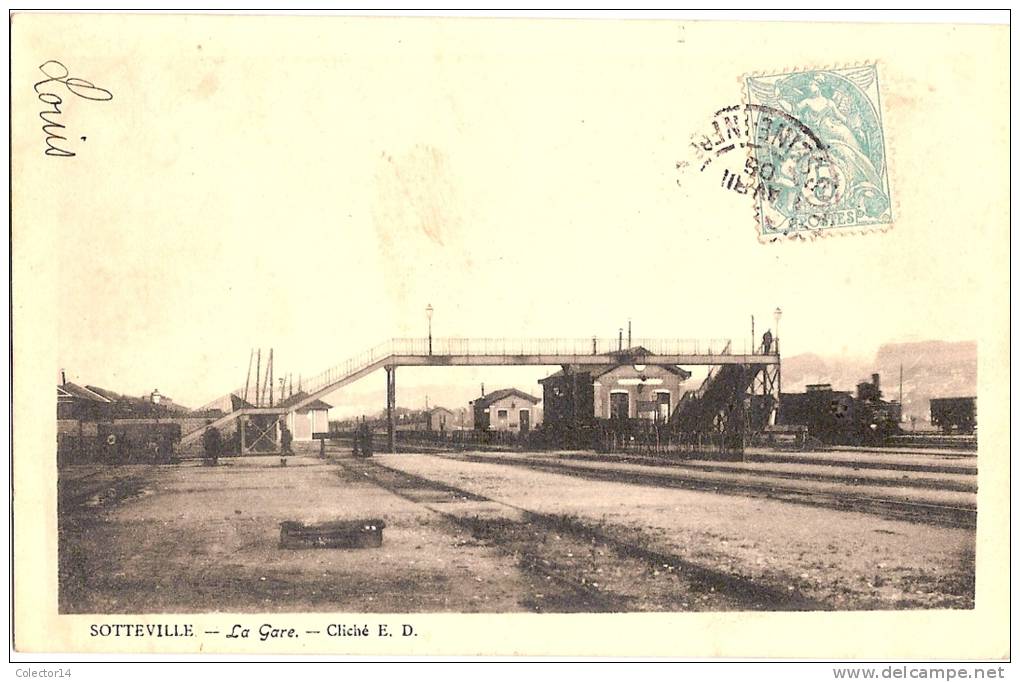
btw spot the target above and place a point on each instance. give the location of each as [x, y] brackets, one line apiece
[522, 180]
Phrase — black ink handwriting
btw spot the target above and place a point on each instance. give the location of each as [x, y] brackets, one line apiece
[57, 74]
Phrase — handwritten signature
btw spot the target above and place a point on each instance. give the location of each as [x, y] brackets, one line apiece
[57, 74]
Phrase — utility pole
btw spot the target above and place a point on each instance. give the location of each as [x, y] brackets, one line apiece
[247, 377]
[258, 380]
[901, 388]
[266, 381]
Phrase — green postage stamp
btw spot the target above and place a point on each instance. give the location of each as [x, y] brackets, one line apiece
[836, 176]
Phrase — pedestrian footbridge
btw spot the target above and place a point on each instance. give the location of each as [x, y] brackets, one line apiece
[476, 352]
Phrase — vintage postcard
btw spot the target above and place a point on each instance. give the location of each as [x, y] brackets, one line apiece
[462, 336]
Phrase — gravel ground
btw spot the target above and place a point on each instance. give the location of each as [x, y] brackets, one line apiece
[195, 539]
[468, 536]
[845, 560]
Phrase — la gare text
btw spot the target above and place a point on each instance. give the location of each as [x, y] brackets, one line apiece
[263, 632]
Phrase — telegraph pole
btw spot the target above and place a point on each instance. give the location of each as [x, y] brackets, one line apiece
[258, 380]
[247, 377]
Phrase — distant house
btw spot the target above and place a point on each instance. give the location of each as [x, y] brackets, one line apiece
[144, 407]
[81, 403]
[307, 420]
[617, 391]
[95, 424]
[439, 419]
[507, 409]
[432, 419]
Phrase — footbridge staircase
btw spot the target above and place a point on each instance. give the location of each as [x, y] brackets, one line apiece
[721, 397]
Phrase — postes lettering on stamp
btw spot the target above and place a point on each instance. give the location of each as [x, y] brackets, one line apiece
[837, 179]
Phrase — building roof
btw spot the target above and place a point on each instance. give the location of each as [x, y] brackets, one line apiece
[437, 408]
[144, 401]
[109, 395]
[237, 403]
[490, 398]
[598, 370]
[294, 399]
[631, 351]
[316, 404]
[67, 390]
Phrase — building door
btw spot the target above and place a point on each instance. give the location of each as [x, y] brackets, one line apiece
[662, 414]
[619, 405]
[525, 421]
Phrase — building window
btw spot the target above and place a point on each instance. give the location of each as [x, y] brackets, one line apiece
[501, 414]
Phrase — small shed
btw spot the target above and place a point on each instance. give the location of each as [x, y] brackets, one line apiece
[439, 419]
[308, 419]
[507, 409]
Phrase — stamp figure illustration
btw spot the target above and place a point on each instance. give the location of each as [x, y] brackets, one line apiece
[842, 181]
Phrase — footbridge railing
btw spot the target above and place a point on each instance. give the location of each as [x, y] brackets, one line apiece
[514, 350]
[493, 347]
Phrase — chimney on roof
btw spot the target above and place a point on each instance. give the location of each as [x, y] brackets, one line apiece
[874, 380]
[483, 389]
[630, 343]
[63, 378]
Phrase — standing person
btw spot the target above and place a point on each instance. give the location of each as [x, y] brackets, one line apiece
[212, 442]
[286, 438]
[152, 452]
[766, 341]
[366, 439]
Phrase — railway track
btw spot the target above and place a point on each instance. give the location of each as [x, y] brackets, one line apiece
[924, 512]
[781, 459]
[510, 531]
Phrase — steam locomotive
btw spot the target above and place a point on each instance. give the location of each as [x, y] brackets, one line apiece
[840, 417]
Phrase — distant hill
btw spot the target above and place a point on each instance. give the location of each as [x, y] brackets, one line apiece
[931, 369]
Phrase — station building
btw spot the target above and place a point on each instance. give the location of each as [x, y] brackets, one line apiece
[617, 391]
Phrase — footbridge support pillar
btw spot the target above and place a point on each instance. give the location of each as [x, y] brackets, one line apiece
[391, 404]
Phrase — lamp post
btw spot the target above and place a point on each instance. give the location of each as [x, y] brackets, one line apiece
[155, 397]
[778, 313]
[428, 314]
[777, 382]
